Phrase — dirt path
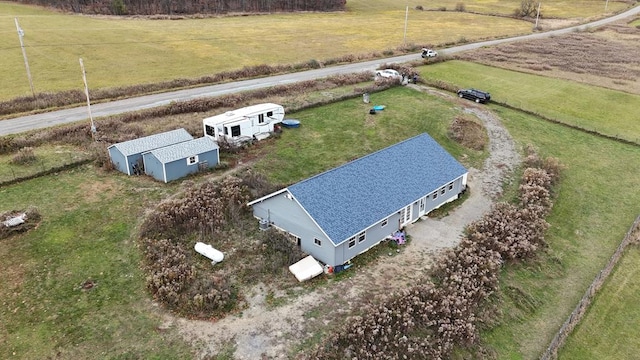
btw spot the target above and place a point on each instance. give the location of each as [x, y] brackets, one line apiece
[273, 333]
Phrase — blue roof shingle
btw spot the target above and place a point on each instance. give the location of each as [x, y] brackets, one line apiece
[346, 200]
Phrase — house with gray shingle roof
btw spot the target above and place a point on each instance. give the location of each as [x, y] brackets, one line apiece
[172, 162]
[340, 213]
[127, 156]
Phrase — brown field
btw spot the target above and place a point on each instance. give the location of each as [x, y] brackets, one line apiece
[607, 57]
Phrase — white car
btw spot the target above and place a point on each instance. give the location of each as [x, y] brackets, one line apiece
[388, 74]
[429, 53]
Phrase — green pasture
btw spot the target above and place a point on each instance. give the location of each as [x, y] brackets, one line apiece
[46, 157]
[88, 219]
[120, 52]
[606, 111]
[610, 327]
[594, 208]
[339, 132]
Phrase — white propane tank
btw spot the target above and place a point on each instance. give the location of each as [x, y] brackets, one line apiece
[208, 251]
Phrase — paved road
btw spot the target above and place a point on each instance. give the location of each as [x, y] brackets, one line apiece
[39, 121]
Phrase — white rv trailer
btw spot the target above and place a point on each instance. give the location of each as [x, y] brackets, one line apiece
[245, 124]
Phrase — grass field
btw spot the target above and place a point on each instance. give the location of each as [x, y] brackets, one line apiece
[590, 107]
[595, 204]
[89, 217]
[610, 328]
[589, 219]
[85, 235]
[119, 52]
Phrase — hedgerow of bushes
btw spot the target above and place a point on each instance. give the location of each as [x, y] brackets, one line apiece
[445, 311]
[216, 214]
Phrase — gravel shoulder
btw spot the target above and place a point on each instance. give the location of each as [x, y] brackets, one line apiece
[273, 333]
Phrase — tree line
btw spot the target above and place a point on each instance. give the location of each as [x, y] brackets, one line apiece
[187, 7]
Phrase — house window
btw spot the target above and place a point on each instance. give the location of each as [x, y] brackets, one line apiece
[235, 131]
[352, 242]
[361, 237]
[261, 119]
[442, 191]
[192, 160]
[450, 186]
[317, 241]
[384, 223]
[435, 195]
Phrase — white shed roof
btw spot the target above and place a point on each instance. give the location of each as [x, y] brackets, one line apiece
[147, 143]
[184, 149]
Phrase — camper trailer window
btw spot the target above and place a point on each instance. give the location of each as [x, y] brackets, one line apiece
[235, 131]
[210, 130]
[270, 113]
[261, 119]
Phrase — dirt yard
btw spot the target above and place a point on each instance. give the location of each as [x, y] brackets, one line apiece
[267, 332]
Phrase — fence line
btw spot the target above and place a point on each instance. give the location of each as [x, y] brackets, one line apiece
[580, 309]
[52, 170]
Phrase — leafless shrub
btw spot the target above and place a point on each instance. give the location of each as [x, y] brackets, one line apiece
[468, 133]
[419, 7]
[25, 156]
[279, 251]
[100, 153]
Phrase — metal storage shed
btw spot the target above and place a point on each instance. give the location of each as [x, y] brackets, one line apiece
[175, 161]
[127, 156]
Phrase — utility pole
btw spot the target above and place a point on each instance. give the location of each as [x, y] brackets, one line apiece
[24, 55]
[606, 4]
[538, 16]
[406, 18]
[86, 92]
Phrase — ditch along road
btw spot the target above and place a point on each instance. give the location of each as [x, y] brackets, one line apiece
[53, 118]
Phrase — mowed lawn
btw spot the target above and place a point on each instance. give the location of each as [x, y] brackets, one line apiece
[595, 207]
[610, 112]
[127, 51]
[596, 204]
[610, 328]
